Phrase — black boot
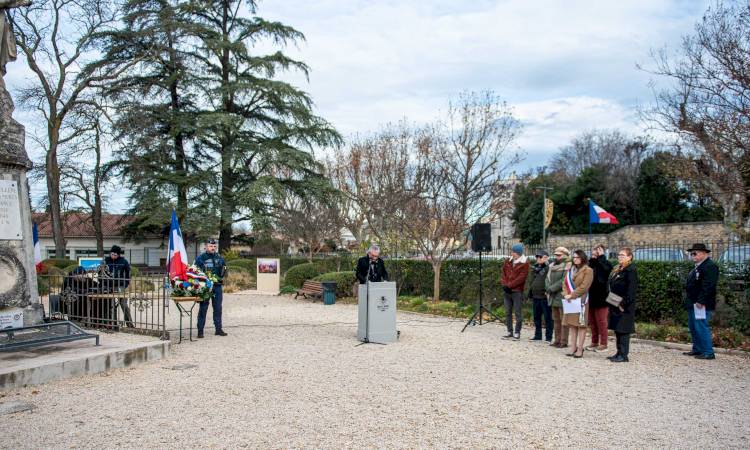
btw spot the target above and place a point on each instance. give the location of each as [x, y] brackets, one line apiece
[220, 333]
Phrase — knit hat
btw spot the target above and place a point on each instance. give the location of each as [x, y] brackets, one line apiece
[562, 250]
[517, 248]
[116, 249]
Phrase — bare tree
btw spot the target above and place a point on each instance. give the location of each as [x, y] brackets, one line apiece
[55, 37]
[458, 163]
[707, 106]
[309, 220]
[85, 175]
[371, 175]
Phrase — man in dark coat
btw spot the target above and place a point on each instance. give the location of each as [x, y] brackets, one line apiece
[119, 268]
[700, 300]
[371, 266]
[538, 295]
[598, 308]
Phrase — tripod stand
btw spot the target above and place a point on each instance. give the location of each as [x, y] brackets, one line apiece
[480, 308]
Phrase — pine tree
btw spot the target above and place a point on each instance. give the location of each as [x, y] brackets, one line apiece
[155, 108]
[256, 133]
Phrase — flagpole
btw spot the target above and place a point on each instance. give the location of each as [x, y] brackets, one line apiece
[590, 249]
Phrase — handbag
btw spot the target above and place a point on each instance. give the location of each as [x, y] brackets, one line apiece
[614, 299]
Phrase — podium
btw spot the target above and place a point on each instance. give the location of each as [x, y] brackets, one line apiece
[377, 312]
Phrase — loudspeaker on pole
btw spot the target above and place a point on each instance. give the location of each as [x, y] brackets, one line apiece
[481, 237]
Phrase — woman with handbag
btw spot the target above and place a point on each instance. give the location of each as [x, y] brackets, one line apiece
[623, 286]
[576, 286]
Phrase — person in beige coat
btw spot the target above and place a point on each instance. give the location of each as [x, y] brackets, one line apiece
[582, 276]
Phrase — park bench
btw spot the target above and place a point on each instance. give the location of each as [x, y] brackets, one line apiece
[311, 288]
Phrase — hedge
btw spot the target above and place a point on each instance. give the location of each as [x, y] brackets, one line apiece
[60, 263]
[344, 282]
[297, 275]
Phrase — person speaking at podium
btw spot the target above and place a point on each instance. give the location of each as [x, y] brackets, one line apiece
[371, 266]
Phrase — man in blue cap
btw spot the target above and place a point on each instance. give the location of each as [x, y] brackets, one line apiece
[515, 272]
[211, 262]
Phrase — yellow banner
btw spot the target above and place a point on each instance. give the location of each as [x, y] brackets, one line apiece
[548, 210]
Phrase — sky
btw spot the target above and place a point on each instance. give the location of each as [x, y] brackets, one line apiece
[565, 67]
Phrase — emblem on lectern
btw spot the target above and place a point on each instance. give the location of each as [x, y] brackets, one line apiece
[383, 304]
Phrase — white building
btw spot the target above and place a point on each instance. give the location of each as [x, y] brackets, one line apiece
[81, 242]
[503, 227]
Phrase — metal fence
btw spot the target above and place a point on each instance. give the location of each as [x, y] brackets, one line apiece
[94, 300]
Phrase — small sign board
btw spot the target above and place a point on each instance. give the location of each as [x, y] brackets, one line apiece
[11, 318]
[268, 272]
[89, 263]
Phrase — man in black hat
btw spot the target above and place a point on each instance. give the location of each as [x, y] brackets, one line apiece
[119, 268]
[701, 301]
[211, 262]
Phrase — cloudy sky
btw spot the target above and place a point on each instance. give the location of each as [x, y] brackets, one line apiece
[565, 66]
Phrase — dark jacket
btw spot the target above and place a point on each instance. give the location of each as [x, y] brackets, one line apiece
[212, 263]
[378, 272]
[599, 289]
[515, 273]
[701, 285]
[120, 270]
[538, 280]
[625, 284]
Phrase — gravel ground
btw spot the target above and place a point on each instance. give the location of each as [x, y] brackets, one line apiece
[290, 375]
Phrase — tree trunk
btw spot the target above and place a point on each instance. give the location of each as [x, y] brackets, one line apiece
[53, 191]
[731, 203]
[227, 181]
[436, 281]
[96, 213]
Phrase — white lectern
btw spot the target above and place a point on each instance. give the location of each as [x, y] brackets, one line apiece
[377, 312]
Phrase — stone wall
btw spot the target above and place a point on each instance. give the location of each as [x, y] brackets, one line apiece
[669, 234]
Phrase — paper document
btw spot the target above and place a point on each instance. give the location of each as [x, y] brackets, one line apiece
[700, 313]
[574, 307]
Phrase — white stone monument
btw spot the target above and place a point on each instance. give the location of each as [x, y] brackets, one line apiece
[18, 289]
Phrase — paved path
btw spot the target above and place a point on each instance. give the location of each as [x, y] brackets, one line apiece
[290, 375]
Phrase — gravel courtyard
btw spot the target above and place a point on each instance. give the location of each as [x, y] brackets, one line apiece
[290, 375]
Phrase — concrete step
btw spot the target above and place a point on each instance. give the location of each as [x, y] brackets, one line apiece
[56, 362]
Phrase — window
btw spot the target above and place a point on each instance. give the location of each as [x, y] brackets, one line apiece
[51, 252]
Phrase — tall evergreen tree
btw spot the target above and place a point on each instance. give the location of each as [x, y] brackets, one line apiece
[156, 109]
[256, 132]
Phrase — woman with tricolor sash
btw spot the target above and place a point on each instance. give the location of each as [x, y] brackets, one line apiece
[576, 284]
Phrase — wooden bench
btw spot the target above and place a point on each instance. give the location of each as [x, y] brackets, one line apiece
[311, 288]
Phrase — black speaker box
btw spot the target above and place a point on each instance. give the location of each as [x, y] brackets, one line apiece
[481, 237]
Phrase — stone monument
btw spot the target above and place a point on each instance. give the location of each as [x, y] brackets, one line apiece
[18, 289]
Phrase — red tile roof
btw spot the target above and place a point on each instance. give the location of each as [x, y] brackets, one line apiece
[79, 224]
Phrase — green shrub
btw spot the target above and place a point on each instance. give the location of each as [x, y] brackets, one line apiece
[230, 255]
[70, 268]
[344, 282]
[286, 289]
[60, 263]
[248, 264]
[49, 279]
[297, 275]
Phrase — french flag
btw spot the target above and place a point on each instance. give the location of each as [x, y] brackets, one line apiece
[37, 249]
[177, 262]
[597, 214]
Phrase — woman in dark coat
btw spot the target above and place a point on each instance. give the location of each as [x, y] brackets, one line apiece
[623, 281]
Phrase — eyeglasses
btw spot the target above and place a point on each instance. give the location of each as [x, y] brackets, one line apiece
[693, 253]
[576, 257]
[622, 255]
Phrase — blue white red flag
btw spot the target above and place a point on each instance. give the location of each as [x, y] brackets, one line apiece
[37, 250]
[597, 214]
[177, 261]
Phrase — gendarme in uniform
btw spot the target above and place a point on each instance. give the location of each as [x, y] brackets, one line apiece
[211, 261]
